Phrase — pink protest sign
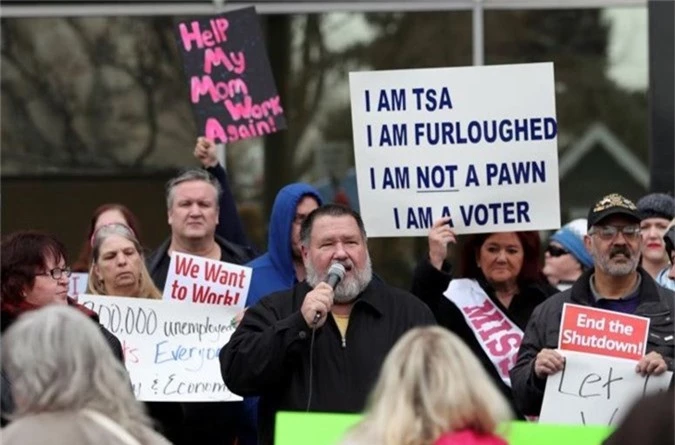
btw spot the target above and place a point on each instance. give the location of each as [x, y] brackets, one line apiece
[231, 86]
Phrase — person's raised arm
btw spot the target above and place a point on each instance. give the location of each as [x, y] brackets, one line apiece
[433, 273]
[229, 226]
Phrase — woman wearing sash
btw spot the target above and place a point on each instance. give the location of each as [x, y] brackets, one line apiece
[489, 302]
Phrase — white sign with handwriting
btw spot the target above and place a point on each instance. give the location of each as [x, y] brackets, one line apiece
[77, 284]
[596, 390]
[170, 348]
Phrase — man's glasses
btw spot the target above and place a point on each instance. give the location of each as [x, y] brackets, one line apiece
[556, 251]
[609, 232]
[57, 273]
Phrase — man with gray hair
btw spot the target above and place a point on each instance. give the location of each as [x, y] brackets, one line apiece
[615, 283]
[315, 347]
[192, 200]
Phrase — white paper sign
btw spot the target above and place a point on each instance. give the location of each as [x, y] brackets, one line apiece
[476, 143]
[197, 280]
[170, 348]
[77, 284]
[596, 390]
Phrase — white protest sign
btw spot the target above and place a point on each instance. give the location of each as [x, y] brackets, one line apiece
[476, 143]
[596, 390]
[77, 284]
[194, 279]
[170, 348]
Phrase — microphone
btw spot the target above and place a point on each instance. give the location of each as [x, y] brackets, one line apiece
[336, 273]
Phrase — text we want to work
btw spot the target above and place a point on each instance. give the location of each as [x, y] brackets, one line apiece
[204, 281]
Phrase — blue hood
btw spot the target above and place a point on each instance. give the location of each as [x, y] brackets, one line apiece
[274, 271]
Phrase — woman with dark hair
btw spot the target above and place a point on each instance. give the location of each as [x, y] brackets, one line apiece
[489, 303]
[34, 274]
[111, 213]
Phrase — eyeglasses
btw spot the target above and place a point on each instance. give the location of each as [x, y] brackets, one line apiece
[556, 251]
[609, 232]
[57, 272]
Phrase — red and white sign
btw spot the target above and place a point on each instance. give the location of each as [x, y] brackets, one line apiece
[602, 332]
[201, 280]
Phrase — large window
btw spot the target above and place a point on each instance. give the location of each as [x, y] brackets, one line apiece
[105, 96]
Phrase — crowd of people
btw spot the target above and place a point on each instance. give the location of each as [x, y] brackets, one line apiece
[424, 366]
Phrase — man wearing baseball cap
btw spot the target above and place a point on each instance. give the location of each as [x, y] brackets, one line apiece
[615, 283]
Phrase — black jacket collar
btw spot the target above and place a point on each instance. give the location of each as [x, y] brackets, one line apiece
[370, 297]
[581, 289]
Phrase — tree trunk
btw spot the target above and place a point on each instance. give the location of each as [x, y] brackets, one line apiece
[278, 163]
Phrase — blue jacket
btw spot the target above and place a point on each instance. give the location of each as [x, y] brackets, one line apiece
[273, 271]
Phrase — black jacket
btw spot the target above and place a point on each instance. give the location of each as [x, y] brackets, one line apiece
[429, 284]
[268, 354]
[543, 330]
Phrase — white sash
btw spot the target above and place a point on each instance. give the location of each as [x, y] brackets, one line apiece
[498, 336]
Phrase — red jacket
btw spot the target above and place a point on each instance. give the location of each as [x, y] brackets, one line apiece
[469, 437]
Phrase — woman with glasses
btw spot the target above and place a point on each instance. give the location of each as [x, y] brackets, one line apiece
[489, 302]
[566, 257]
[34, 274]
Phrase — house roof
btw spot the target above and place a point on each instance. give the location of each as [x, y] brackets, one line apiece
[598, 136]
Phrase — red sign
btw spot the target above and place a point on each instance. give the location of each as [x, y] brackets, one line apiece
[602, 332]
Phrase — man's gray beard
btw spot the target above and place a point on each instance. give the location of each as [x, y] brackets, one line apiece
[603, 262]
[349, 288]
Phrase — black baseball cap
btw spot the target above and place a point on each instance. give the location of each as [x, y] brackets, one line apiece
[613, 204]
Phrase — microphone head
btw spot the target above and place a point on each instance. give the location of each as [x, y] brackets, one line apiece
[337, 269]
[336, 273]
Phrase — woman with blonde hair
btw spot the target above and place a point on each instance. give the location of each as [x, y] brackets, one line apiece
[118, 269]
[68, 386]
[432, 391]
[118, 266]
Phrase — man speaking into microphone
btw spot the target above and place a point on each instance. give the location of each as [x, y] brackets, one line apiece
[317, 347]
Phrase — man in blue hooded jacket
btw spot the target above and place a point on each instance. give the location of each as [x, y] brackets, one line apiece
[281, 267]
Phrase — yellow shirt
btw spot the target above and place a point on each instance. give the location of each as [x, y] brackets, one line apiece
[342, 321]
